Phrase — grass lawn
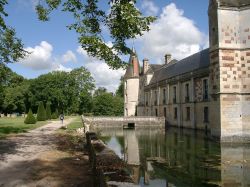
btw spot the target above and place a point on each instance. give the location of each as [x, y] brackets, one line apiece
[75, 124]
[16, 125]
[71, 127]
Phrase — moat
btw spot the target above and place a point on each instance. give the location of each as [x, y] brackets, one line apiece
[180, 158]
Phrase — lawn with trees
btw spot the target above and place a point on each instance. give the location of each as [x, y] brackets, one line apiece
[57, 92]
[71, 92]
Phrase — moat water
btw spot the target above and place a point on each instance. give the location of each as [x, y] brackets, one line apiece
[179, 158]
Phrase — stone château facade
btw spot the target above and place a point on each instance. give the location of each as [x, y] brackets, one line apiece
[208, 90]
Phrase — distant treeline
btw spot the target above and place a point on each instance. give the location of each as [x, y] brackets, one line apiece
[68, 92]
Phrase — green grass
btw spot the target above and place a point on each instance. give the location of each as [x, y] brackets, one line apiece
[75, 124]
[71, 127]
[10, 126]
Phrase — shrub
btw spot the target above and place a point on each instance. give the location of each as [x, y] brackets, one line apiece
[48, 111]
[55, 115]
[41, 113]
[30, 119]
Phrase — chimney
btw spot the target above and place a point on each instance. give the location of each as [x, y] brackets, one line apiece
[168, 58]
[145, 65]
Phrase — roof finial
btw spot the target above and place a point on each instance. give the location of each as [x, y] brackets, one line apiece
[133, 47]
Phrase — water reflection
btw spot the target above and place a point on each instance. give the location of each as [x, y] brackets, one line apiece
[179, 158]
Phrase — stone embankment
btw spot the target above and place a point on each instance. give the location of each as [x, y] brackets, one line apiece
[121, 121]
[108, 168]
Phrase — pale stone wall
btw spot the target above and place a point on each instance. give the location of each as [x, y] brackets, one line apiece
[131, 96]
[230, 74]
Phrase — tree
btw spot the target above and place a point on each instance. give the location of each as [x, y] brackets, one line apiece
[11, 48]
[41, 113]
[30, 119]
[63, 90]
[13, 91]
[103, 105]
[106, 104]
[120, 91]
[48, 111]
[124, 21]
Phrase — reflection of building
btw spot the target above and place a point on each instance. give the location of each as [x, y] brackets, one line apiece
[208, 90]
[235, 165]
[186, 158]
[131, 148]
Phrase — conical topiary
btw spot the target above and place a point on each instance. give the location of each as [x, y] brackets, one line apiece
[41, 113]
[48, 111]
[30, 119]
[55, 115]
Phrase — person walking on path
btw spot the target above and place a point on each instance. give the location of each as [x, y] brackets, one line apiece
[62, 118]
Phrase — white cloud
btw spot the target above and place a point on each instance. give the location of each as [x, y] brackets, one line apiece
[149, 7]
[60, 67]
[69, 56]
[172, 33]
[103, 75]
[41, 58]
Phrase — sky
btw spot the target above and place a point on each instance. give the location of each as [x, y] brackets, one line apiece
[181, 29]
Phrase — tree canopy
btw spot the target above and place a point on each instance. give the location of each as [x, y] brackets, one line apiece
[11, 47]
[123, 21]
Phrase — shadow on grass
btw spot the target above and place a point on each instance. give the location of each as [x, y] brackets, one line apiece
[9, 130]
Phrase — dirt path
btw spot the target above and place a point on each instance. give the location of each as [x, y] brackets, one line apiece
[33, 159]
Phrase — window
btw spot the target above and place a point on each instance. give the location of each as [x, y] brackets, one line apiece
[187, 93]
[174, 95]
[156, 112]
[164, 96]
[146, 99]
[205, 89]
[188, 113]
[175, 113]
[206, 114]
[155, 97]
[165, 112]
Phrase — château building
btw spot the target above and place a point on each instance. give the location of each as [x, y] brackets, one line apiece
[207, 90]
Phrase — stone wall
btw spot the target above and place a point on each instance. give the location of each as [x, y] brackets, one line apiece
[120, 121]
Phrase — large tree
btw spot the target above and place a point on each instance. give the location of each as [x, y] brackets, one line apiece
[107, 104]
[122, 19]
[63, 90]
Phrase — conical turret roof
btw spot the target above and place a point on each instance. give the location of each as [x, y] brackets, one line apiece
[133, 68]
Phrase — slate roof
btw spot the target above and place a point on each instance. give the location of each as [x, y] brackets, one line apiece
[129, 71]
[194, 62]
[234, 3]
[154, 67]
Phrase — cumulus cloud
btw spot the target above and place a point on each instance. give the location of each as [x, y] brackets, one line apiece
[69, 56]
[172, 33]
[149, 7]
[41, 58]
[60, 67]
[103, 75]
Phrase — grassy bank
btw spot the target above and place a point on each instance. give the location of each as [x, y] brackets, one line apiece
[10, 126]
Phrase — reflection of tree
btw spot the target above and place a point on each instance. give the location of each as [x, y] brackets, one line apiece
[120, 140]
[105, 139]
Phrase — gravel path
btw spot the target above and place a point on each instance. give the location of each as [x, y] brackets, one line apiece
[18, 154]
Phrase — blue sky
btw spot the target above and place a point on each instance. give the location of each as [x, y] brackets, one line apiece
[181, 29]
